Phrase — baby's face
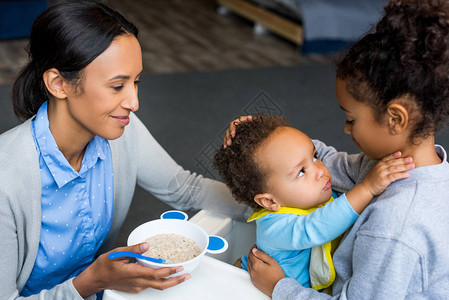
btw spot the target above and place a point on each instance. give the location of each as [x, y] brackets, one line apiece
[295, 176]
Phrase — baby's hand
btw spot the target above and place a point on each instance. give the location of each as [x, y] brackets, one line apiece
[387, 170]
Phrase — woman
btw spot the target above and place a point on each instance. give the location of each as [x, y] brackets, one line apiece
[69, 171]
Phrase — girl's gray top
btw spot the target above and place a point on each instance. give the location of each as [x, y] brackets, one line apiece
[398, 248]
[136, 157]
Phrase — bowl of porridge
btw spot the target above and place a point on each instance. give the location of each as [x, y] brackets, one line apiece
[175, 239]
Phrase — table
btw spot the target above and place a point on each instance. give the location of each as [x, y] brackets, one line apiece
[212, 279]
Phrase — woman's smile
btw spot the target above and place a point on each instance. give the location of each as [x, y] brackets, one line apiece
[121, 119]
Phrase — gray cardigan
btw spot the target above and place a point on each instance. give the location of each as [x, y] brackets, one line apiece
[136, 157]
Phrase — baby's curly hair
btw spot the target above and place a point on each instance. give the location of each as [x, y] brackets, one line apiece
[405, 55]
[236, 163]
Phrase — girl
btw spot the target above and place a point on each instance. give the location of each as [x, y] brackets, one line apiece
[68, 173]
[393, 86]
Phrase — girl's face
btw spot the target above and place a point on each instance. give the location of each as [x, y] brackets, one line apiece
[370, 136]
[109, 91]
[295, 176]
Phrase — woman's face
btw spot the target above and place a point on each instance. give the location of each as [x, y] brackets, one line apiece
[108, 92]
[370, 136]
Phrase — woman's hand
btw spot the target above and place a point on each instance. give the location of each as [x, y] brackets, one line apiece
[119, 274]
[264, 270]
[230, 132]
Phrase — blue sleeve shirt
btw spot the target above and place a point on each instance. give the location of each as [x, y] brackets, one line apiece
[288, 238]
[76, 208]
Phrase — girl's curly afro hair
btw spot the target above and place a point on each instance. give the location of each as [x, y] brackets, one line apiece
[405, 55]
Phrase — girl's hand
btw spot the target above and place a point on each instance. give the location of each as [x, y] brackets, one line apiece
[230, 132]
[387, 170]
[264, 270]
[121, 275]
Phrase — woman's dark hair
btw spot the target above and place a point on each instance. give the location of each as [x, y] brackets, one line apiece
[67, 37]
[236, 164]
[405, 55]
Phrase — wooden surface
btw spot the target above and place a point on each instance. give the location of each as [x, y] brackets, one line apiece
[182, 36]
[275, 23]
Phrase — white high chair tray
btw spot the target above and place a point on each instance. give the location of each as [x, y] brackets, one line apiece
[212, 279]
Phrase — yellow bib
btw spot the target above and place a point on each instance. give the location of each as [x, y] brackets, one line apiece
[321, 268]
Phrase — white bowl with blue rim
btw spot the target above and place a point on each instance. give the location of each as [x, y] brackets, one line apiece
[175, 222]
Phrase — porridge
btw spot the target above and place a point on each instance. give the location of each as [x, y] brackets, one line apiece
[175, 247]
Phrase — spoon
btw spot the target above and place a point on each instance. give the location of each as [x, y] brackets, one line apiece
[118, 254]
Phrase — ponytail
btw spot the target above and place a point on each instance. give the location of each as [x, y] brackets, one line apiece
[28, 92]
